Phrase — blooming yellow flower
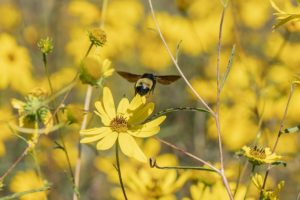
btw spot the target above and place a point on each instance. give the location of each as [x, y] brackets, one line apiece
[122, 124]
[27, 180]
[257, 180]
[15, 65]
[258, 156]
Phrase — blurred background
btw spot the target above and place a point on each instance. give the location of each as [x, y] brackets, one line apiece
[253, 100]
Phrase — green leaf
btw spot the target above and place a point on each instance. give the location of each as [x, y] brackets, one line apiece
[291, 129]
[279, 163]
[229, 65]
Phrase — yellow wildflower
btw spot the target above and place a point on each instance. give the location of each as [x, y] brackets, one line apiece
[94, 69]
[12, 16]
[257, 180]
[122, 124]
[201, 191]
[258, 156]
[14, 62]
[27, 180]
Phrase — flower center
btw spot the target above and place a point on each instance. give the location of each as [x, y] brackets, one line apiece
[258, 152]
[11, 57]
[119, 124]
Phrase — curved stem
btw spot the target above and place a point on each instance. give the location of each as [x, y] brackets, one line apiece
[278, 136]
[169, 110]
[188, 154]
[57, 119]
[174, 60]
[119, 170]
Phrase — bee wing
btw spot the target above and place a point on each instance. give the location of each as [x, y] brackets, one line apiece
[128, 76]
[166, 80]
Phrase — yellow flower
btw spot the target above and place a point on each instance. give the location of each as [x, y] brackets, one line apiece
[258, 156]
[201, 191]
[257, 180]
[122, 124]
[86, 11]
[6, 133]
[94, 69]
[15, 65]
[12, 16]
[27, 180]
[97, 36]
[143, 182]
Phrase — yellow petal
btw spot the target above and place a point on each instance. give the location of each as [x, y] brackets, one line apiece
[141, 115]
[136, 102]
[108, 141]
[143, 133]
[17, 104]
[90, 139]
[148, 129]
[108, 103]
[130, 148]
[102, 114]
[94, 131]
[123, 106]
[155, 122]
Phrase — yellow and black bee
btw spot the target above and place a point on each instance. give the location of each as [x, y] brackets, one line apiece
[145, 84]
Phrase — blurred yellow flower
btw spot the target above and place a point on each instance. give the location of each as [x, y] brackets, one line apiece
[257, 180]
[123, 124]
[87, 12]
[12, 16]
[15, 65]
[237, 125]
[6, 133]
[94, 69]
[258, 156]
[143, 182]
[153, 185]
[217, 191]
[27, 180]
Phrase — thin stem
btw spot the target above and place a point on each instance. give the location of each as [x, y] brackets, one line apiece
[153, 164]
[188, 154]
[169, 110]
[47, 72]
[79, 147]
[25, 152]
[20, 194]
[278, 136]
[216, 114]
[119, 170]
[89, 50]
[249, 182]
[174, 60]
[57, 119]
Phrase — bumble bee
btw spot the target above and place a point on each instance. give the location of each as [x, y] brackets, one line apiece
[145, 84]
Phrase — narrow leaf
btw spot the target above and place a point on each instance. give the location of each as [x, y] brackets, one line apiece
[291, 130]
[229, 65]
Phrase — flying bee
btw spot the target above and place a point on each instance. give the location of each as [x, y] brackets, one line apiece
[145, 84]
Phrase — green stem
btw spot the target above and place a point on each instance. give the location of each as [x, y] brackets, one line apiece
[119, 170]
[153, 164]
[47, 72]
[169, 110]
[89, 49]
[19, 194]
[249, 183]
